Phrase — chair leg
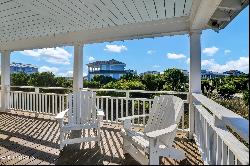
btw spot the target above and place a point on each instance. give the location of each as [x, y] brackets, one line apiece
[125, 146]
[61, 140]
[99, 136]
[154, 158]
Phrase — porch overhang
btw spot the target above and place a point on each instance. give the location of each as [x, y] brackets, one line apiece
[32, 24]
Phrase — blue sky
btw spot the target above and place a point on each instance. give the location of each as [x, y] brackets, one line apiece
[221, 51]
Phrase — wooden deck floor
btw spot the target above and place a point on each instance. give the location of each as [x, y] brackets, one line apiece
[28, 140]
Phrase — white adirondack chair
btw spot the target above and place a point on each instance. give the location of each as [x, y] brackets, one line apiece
[82, 114]
[159, 133]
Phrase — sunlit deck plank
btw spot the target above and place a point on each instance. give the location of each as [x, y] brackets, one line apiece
[24, 134]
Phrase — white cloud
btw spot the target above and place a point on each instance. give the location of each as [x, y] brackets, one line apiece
[48, 69]
[156, 66]
[150, 52]
[210, 51]
[91, 59]
[241, 64]
[175, 56]
[188, 61]
[115, 48]
[208, 62]
[227, 51]
[52, 55]
[69, 74]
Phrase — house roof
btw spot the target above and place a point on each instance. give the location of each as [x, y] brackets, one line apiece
[110, 62]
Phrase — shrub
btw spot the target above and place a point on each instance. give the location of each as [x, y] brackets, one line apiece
[226, 90]
[246, 97]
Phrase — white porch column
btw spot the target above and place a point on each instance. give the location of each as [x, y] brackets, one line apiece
[5, 79]
[194, 75]
[78, 67]
[195, 62]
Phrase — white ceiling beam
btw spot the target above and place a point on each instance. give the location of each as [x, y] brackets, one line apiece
[220, 15]
[230, 5]
[204, 12]
[172, 26]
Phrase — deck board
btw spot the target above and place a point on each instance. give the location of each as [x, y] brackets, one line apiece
[30, 140]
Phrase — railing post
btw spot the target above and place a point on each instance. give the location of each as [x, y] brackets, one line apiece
[191, 116]
[37, 90]
[5, 79]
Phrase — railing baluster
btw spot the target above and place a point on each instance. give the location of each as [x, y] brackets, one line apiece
[112, 110]
[143, 107]
[60, 103]
[53, 104]
[34, 102]
[102, 103]
[224, 154]
[49, 106]
[133, 110]
[219, 150]
[230, 157]
[56, 104]
[107, 109]
[116, 110]
[121, 108]
[98, 102]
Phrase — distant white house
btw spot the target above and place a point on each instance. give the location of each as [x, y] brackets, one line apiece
[233, 73]
[149, 72]
[112, 68]
[210, 75]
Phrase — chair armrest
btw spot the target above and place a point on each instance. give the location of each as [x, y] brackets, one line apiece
[157, 133]
[132, 117]
[61, 114]
[100, 112]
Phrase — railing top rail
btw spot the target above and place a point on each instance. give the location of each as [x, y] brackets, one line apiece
[33, 87]
[239, 124]
[107, 90]
[134, 91]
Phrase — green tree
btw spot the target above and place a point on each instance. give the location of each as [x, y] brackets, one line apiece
[91, 84]
[125, 85]
[19, 79]
[63, 82]
[175, 80]
[130, 76]
[102, 79]
[150, 81]
[44, 79]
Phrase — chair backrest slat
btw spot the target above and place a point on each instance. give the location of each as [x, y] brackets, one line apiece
[82, 107]
[166, 111]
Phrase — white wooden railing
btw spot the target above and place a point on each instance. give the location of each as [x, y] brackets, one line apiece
[120, 106]
[211, 131]
[43, 103]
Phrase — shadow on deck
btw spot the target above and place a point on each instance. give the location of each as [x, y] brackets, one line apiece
[25, 139]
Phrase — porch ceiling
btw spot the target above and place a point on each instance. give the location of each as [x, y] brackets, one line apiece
[27, 24]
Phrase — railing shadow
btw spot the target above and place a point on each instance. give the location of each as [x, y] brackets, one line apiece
[30, 129]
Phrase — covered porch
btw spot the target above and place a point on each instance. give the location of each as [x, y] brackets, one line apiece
[206, 127]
